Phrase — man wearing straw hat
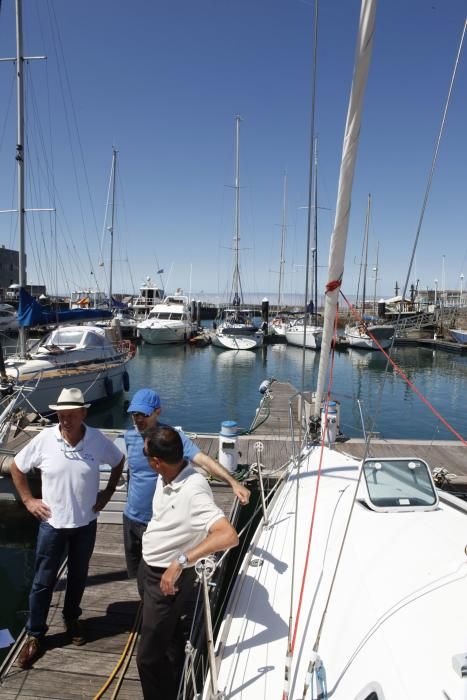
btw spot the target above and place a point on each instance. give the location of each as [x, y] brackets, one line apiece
[69, 455]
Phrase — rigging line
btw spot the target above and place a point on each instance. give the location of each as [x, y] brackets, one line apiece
[406, 379]
[415, 245]
[433, 164]
[8, 107]
[311, 181]
[58, 48]
[315, 503]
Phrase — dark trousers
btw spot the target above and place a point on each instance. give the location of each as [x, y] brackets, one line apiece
[133, 532]
[161, 646]
[52, 544]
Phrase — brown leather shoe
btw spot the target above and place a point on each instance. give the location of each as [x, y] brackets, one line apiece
[75, 632]
[30, 652]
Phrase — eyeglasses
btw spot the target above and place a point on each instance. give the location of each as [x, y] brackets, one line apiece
[138, 414]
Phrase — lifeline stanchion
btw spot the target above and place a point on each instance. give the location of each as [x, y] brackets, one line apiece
[205, 569]
[259, 447]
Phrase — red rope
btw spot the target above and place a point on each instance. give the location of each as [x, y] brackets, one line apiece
[305, 568]
[404, 376]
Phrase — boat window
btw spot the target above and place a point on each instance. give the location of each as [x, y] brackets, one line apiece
[93, 340]
[164, 315]
[399, 484]
[176, 317]
[65, 337]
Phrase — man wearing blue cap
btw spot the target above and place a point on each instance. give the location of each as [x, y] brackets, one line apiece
[145, 409]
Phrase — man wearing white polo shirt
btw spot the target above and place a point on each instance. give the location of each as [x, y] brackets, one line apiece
[68, 455]
[186, 525]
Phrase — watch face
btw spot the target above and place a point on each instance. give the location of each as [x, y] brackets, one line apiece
[182, 559]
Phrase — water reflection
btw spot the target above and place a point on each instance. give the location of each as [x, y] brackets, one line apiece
[200, 387]
[227, 358]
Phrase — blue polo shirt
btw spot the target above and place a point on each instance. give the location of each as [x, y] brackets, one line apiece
[142, 483]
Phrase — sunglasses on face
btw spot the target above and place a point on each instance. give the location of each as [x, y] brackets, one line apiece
[137, 414]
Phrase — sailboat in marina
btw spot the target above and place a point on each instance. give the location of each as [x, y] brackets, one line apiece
[353, 587]
[305, 331]
[88, 357]
[235, 328]
[367, 334]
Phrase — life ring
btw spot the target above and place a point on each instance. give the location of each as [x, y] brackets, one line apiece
[128, 347]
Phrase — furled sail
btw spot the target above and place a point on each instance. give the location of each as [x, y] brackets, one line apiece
[349, 157]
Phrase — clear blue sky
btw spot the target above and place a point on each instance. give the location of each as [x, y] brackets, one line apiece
[162, 81]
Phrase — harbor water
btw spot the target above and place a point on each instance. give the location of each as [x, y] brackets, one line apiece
[202, 387]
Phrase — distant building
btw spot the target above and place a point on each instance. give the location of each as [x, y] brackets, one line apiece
[9, 268]
[9, 277]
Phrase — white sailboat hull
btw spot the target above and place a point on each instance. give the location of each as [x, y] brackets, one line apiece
[85, 357]
[297, 336]
[96, 381]
[357, 338]
[232, 338]
[396, 617]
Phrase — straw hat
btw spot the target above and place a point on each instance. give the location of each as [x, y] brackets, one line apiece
[69, 399]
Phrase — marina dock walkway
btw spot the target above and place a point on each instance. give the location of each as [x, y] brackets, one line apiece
[111, 601]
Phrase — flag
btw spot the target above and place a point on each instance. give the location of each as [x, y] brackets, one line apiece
[159, 272]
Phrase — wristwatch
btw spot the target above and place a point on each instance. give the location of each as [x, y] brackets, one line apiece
[182, 559]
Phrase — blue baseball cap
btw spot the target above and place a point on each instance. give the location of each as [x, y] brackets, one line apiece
[144, 401]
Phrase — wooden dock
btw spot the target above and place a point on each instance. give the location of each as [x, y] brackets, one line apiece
[111, 602]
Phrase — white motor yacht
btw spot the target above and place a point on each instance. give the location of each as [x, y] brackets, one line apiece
[168, 322]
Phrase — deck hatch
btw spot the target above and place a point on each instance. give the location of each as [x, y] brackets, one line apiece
[399, 484]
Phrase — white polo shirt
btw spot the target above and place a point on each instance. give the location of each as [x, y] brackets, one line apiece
[183, 512]
[70, 475]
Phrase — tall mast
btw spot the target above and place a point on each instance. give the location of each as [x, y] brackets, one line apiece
[365, 246]
[376, 278]
[283, 236]
[315, 236]
[20, 160]
[236, 284]
[114, 179]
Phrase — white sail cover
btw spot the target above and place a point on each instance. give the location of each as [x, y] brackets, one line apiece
[349, 157]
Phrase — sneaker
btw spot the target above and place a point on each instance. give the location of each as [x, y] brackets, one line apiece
[75, 632]
[30, 652]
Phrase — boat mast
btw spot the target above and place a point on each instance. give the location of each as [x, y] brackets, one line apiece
[315, 238]
[236, 283]
[283, 237]
[349, 156]
[20, 161]
[365, 246]
[376, 278]
[111, 228]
